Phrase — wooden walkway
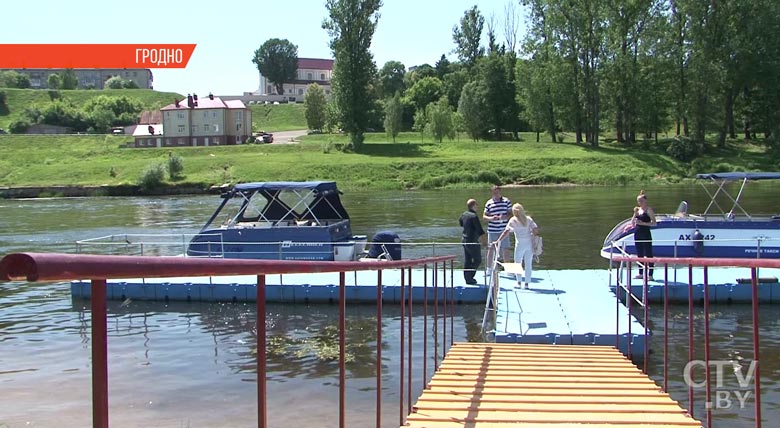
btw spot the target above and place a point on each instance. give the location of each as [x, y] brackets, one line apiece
[485, 385]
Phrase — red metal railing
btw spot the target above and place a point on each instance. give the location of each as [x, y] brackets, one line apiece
[705, 264]
[61, 267]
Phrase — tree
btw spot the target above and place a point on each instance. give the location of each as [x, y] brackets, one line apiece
[53, 81]
[351, 25]
[119, 82]
[315, 107]
[467, 37]
[69, 79]
[424, 92]
[473, 109]
[277, 60]
[391, 79]
[393, 115]
[420, 123]
[440, 120]
[14, 79]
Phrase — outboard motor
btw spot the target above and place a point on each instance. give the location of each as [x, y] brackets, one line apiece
[698, 242]
[387, 244]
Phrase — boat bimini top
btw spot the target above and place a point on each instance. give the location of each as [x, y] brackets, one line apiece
[313, 202]
[721, 179]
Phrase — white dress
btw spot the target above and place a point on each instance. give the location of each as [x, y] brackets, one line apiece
[524, 246]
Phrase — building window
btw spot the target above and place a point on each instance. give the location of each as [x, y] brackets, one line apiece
[214, 114]
[181, 129]
[240, 115]
[289, 91]
[194, 129]
[322, 76]
[205, 114]
[180, 115]
[206, 127]
[309, 76]
[238, 127]
[300, 91]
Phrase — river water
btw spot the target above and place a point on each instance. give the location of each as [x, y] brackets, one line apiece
[192, 365]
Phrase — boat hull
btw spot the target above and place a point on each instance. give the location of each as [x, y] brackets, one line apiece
[701, 238]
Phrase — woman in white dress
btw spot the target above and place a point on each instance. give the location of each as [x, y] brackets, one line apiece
[524, 229]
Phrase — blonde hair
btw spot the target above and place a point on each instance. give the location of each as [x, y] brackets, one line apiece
[519, 212]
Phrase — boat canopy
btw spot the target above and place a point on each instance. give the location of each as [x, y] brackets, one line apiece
[319, 186]
[314, 201]
[740, 176]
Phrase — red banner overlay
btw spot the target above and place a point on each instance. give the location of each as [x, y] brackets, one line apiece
[95, 55]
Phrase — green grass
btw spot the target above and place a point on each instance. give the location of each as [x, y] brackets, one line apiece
[278, 117]
[19, 99]
[101, 160]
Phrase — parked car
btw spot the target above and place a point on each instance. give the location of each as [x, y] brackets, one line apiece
[268, 137]
[2, 131]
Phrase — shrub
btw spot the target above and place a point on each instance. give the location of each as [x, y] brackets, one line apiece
[683, 149]
[19, 126]
[153, 177]
[175, 165]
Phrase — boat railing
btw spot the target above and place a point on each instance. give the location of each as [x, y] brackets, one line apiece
[176, 245]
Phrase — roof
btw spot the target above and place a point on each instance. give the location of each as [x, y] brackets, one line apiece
[206, 103]
[143, 130]
[287, 185]
[315, 63]
[740, 176]
[148, 117]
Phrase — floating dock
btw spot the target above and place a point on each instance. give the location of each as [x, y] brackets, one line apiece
[566, 307]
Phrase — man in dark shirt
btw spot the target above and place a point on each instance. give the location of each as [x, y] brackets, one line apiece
[473, 233]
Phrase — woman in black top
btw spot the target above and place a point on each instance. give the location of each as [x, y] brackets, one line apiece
[644, 219]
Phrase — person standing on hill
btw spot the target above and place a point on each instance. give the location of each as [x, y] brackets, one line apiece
[498, 210]
[473, 233]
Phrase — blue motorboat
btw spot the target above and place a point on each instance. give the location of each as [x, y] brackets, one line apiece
[279, 220]
[727, 231]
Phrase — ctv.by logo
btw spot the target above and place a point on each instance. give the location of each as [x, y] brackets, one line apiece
[724, 397]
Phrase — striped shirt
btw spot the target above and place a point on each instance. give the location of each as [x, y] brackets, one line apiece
[501, 207]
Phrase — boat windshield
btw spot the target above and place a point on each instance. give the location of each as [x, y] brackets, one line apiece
[682, 209]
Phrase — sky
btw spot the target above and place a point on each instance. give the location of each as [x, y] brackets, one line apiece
[228, 33]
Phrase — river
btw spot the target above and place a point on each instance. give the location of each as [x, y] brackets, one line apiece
[192, 364]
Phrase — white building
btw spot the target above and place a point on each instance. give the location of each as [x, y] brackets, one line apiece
[310, 70]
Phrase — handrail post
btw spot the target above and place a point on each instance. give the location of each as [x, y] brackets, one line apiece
[707, 392]
[666, 327]
[409, 383]
[342, 348]
[690, 334]
[402, 346]
[379, 348]
[262, 385]
[99, 355]
[425, 325]
[757, 372]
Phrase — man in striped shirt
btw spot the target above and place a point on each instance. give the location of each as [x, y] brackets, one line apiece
[498, 210]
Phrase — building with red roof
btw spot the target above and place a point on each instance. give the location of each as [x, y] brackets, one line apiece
[207, 121]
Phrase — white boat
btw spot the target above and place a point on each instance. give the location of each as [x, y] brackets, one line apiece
[717, 232]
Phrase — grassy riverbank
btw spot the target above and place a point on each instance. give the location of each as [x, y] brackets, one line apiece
[406, 164]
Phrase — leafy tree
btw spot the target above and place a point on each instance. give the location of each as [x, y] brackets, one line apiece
[420, 123]
[443, 67]
[53, 81]
[152, 178]
[3, 104]
[424, 92]
[69, 79]
[118, 82]
[19, 126]
[467, 37]
[391, 79]
[277, 59]
[315, 107]
[441, 120]
[332, 121]
[124, 109]
[14, 79]
[418, 72]
[351, 25]
[393, 115]
[453, 83]
[473, 109]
